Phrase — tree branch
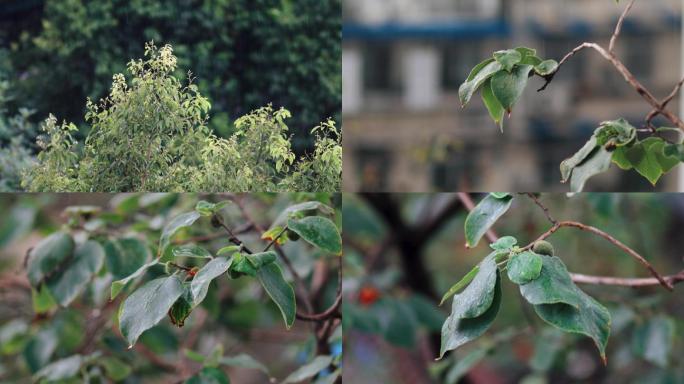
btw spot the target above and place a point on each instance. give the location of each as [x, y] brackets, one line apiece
[586, 279]
[332, 310]
[543, 207]
[612, 240]
[618, 27]
[658, 106]
[626, 282]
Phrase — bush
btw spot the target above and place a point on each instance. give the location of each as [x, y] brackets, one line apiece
[165, 288]
[246, 53]
[152, 135]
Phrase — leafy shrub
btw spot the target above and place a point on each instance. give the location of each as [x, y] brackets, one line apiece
[15, 150]
[236, 48]
[177, 276]
[152, 135]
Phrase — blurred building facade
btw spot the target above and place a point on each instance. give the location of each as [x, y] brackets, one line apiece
[403, 61]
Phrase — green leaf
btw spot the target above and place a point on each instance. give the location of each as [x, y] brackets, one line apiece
[653, 340]
[125, 256]
[181, 309]
[61, 369]
[118, 285]
[528, 56]
[508, 86]
[483, 216]
[554, 285]
[191, 250]
[474, 309]
[330, 379]
[301, 207]
[230, 249]
[271, 278]
[477, 77]
[500, 195]
[115, 369]
[465, 280]
[48, 255]
[241, 266]
[615, 133]
[42, 300]
[496, 111]
[210, 271]
[559, 302]
[318, 231]
[508, 58]
[260, 259]
[597, 162]
[524, 267]
[243, 361]
[145, 307]
[206, 208]
[178, 222]
[209, 375]
[546, 67]
[647, 157]
[309, 370]
[504, 243]
[66, 285]
[569, 164]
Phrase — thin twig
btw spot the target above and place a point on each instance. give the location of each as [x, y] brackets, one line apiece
[275, 239]
[627, 282]
[664, 281]
[301, 288]
[626, 74]
[663, 103]
[332, 310]
[543, 207]
[618, 27]
[612, 240]
[231, 235]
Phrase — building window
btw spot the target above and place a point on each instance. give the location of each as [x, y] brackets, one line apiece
[458, 58]
[379, 73]
[373, 167]
[638, 56]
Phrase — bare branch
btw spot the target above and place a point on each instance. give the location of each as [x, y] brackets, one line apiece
[332, 311]
[618, 27]
[586, 279]
[626, 282]
[664, 102]
[626, 74]
[542, 206]
[612, 240]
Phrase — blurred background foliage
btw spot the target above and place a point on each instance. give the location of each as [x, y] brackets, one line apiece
[404, 251]
[244, 53]
[236, 317]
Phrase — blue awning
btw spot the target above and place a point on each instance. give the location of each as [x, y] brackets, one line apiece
[445, 30]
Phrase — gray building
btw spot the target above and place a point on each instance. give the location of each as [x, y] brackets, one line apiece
[403, 61]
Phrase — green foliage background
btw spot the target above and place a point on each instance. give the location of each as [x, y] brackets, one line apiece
[245, 53]
[236, 317]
